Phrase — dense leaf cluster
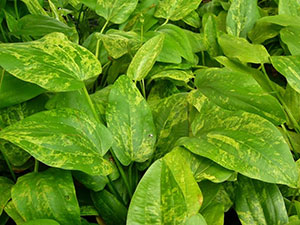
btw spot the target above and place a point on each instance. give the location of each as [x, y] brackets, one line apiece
[149, 112]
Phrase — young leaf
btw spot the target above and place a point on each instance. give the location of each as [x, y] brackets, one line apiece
[291, 37]
[241, 17]
[240, 48]
[238, 91]
[175, 9]
[5, 187]
[242, 142]
[289, 7]
[163, 196]
[67, 139]
[259, 203]
[51, 62]
[288, 66]
[130, 120]
[145, 58]
[47, 195]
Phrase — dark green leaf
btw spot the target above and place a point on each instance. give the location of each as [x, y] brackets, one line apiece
[5, 187]
[214, 214]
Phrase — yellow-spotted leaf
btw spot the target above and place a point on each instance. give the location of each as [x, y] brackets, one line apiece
[52, 62]
[241, 17]
[5, 187]
[260, 203]
[241, 141]
[47, 195]
[130, 120]
[145, 58]
[238, 90]
[64, 138]
[288, 66]
[240, 48]
[175, 9]
[163, 196]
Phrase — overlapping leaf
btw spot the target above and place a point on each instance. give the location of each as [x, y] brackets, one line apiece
[51, 62]
[64, 138]
[291, 37]
[5, 187]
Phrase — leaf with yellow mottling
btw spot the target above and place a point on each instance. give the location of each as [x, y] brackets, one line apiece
[129, 118]
[163, 196]
[240, 141]
[288, 66]
[64, 138]
[52, 62]
[47, 195]
[259, 203]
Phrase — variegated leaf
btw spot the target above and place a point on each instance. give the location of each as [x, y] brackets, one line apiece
[34, 7]
[291, 37]
[145, 58]
[240, 141]
[163, 196]
[241, 17]
[52, 62]
[175, 9]
[289, 7]
[288, 66]
[259, 203]
[130, 120]
[180, 77]
[47, 195]
[64, 138]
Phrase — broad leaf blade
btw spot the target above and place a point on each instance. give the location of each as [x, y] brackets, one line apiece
[47, 195]
[175, 9]
[289, 7]
[241, 17]
[5, 187]
[145, 58]
[242, 142]
[259, 203]
[130, 120]
[51, 62]
[240, 48]
[42, 221]
[67, 139]
[288, 66]
[291, 37]
[163, 190]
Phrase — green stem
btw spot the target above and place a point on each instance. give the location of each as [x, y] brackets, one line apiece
[286, 108]
[122, 173]
[16, 9]
[1, 77]
[3, 33]
[97, 48]
[203, 58]
[130, 175]
[88, 98]
[114, 191]
[104, 26]
[290, 140]
[167, 20]
[9, 167]
[36, 166]
[292, 201]
[143, 88]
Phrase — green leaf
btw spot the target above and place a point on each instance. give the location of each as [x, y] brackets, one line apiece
[115, 11]
[176, 45]
[234, 90]
[192, 19]
[130, 120]
[175, 9]
[171, 121]
[109, 208]
[179, 77]
[241, 17]
[288, 66]
[259, 203]
[197, 219]
[40, 25]
[291, 37]
[67, 139]
[241, 141]
[269, 26]
[95, 183]
[211, 35]
[289, 7]
[41, 221]
[240, 48]
[47, 195]
[34, 7]
[292, 100]
[51, 62]
[203, 168]
[5, 187]
[12, 212]
[214, 214]
[10, 95]
[145, 58]
[163, 196]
